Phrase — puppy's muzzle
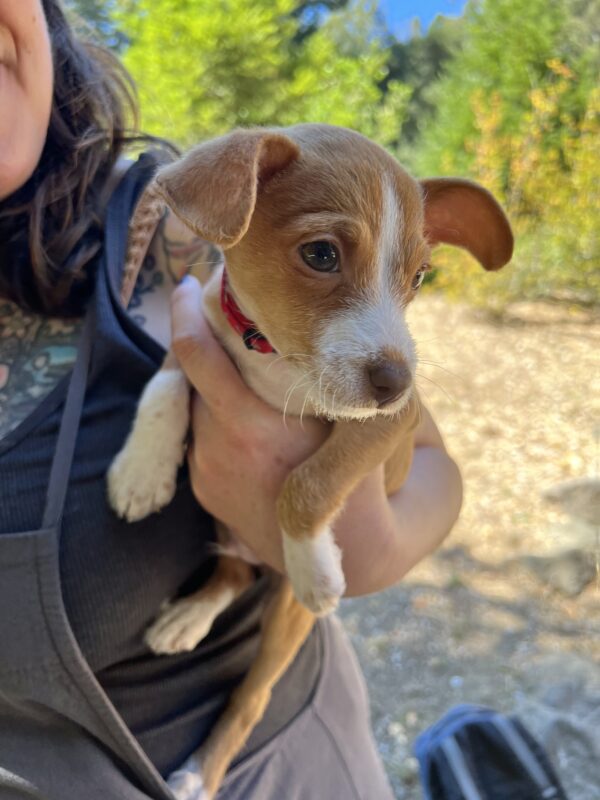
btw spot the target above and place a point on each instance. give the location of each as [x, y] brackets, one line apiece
[388, 381]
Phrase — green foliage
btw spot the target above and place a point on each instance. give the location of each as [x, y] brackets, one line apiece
[507, 94]
[337, 79]
[98, 16]
[518, 111]
[506, 46]
[419, 63]
[206, 66]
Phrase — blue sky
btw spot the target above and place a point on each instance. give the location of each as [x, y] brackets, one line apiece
[400, 13]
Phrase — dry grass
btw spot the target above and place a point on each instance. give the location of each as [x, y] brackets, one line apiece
[517, 402]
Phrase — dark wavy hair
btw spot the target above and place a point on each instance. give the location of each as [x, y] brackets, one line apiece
[51, 229]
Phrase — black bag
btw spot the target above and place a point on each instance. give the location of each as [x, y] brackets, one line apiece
[475, 753]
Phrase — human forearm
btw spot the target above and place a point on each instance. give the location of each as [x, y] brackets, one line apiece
[383, 538]
[242, 453]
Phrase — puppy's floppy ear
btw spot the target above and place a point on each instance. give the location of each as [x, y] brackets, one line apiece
[465, 214]
[213, 187]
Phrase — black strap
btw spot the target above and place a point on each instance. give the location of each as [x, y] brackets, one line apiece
[69, 425]
[120, 207]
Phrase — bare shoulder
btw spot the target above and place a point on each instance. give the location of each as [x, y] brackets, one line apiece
[183, 251]
[173, 251]
[36, 351]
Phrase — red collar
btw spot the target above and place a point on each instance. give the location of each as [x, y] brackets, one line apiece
[253, 338]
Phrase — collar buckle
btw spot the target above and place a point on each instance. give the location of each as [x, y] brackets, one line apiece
[251, 336]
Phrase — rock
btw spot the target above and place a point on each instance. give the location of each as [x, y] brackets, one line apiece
[580, 498]
[409, 771]
[568, 572]
[574, 534]
[562, 711]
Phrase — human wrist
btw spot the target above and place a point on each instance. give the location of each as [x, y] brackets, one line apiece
[384, 538]
[365, 531]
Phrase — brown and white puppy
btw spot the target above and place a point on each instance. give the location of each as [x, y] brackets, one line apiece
[326, 240]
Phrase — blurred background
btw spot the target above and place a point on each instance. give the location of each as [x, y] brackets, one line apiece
[505, 92]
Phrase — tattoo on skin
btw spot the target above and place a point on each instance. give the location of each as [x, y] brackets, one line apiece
[149, 279]
[36, 352]
[173, 252]
[182, 253]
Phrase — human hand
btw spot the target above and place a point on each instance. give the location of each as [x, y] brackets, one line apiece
[242, 453]
[242, 450]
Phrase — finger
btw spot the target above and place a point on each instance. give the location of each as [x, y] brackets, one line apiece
[195, 481]
[204, 361]
[198, 411]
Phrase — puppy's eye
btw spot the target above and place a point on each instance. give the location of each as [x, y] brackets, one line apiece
[321, 256]
[419, 277]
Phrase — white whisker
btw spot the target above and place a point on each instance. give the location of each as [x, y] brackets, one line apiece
[444, 369]
[422, 390]
[202, 263]
[289, 355]
[439, 386]
[306, 399]
[288, 396]
[295, 385]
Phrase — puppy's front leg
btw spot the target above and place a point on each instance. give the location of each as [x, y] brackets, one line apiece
[315, 493]
[143, 475]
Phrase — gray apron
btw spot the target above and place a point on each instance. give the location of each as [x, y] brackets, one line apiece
[62, 739]
[59, 736]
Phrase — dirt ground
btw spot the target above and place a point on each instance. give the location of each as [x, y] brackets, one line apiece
[517, 402]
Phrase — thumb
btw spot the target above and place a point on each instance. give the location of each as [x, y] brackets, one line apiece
[200, 355]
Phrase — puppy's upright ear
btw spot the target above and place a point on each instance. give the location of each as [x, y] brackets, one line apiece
[465, 214]
[213, 188]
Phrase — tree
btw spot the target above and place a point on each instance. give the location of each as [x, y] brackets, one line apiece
[517, 109]
[419, 63]
[506, 47]
[98, 16]
[204, 67]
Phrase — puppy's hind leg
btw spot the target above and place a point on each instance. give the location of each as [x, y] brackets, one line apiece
[285, 628]
[143, 475]
[185, 622]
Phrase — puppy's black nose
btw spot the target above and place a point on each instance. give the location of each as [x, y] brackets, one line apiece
[389, 380]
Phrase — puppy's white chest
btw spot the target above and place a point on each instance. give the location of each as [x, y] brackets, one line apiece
[278, 382]
[272, 377]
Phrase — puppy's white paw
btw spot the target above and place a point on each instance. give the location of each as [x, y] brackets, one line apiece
[314, 567]
[138, 485]
[142, 478]
[184, 623]
[186, 782]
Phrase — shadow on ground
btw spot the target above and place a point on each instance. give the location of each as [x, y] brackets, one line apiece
[461, 630]
[506, 614]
